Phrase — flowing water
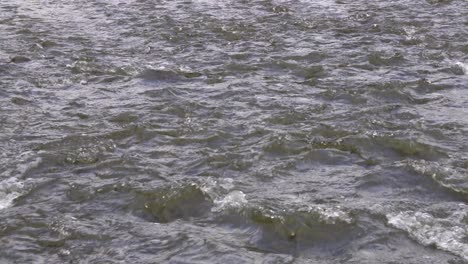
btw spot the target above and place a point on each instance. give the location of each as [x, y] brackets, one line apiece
[203, 131]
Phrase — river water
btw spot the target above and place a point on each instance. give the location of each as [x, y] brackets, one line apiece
[203, 131]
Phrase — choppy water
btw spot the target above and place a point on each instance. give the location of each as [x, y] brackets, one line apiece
[204, 131]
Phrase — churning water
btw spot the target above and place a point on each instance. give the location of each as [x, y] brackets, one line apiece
[203, 131]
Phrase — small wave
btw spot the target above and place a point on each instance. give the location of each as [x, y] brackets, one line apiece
[299, 220]
[234, 199]
[12, 187]
[442, 226]
[20, 59]
[77, 150]
[158, 75]
[100, 70]
[293, 229]
[171, 203]
[188, 200]
[283, 145]
[460, 68]
[439, 2]
[379, 59]
[221, 199]
[452, 178]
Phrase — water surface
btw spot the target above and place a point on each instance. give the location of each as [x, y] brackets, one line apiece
[201, 131]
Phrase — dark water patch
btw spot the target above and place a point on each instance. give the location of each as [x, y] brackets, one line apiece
[106, 79]
[330, 156]
[288, 117]
[282, 145]
[311, 57]
[380, 59]
[175, 202]
[159, 75]
[401, 180]
[77, 149]
[396, 148]
[411, 148]
[420, 92]
[210, 140]
[338, 144]
[346, 96]
[20, 101]
[125, 118]
[232, 162]
[20, 59]
[439, 2]
[137, 131]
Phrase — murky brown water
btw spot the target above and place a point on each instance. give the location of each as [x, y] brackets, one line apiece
[204, 131]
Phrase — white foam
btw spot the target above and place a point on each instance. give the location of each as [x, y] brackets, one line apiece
[10, 189]
[233, 200]
[332, 215]
[462, 66]
[447, 233]
[216, 188]
[222, 194]
[328, 214]
[11, 185]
